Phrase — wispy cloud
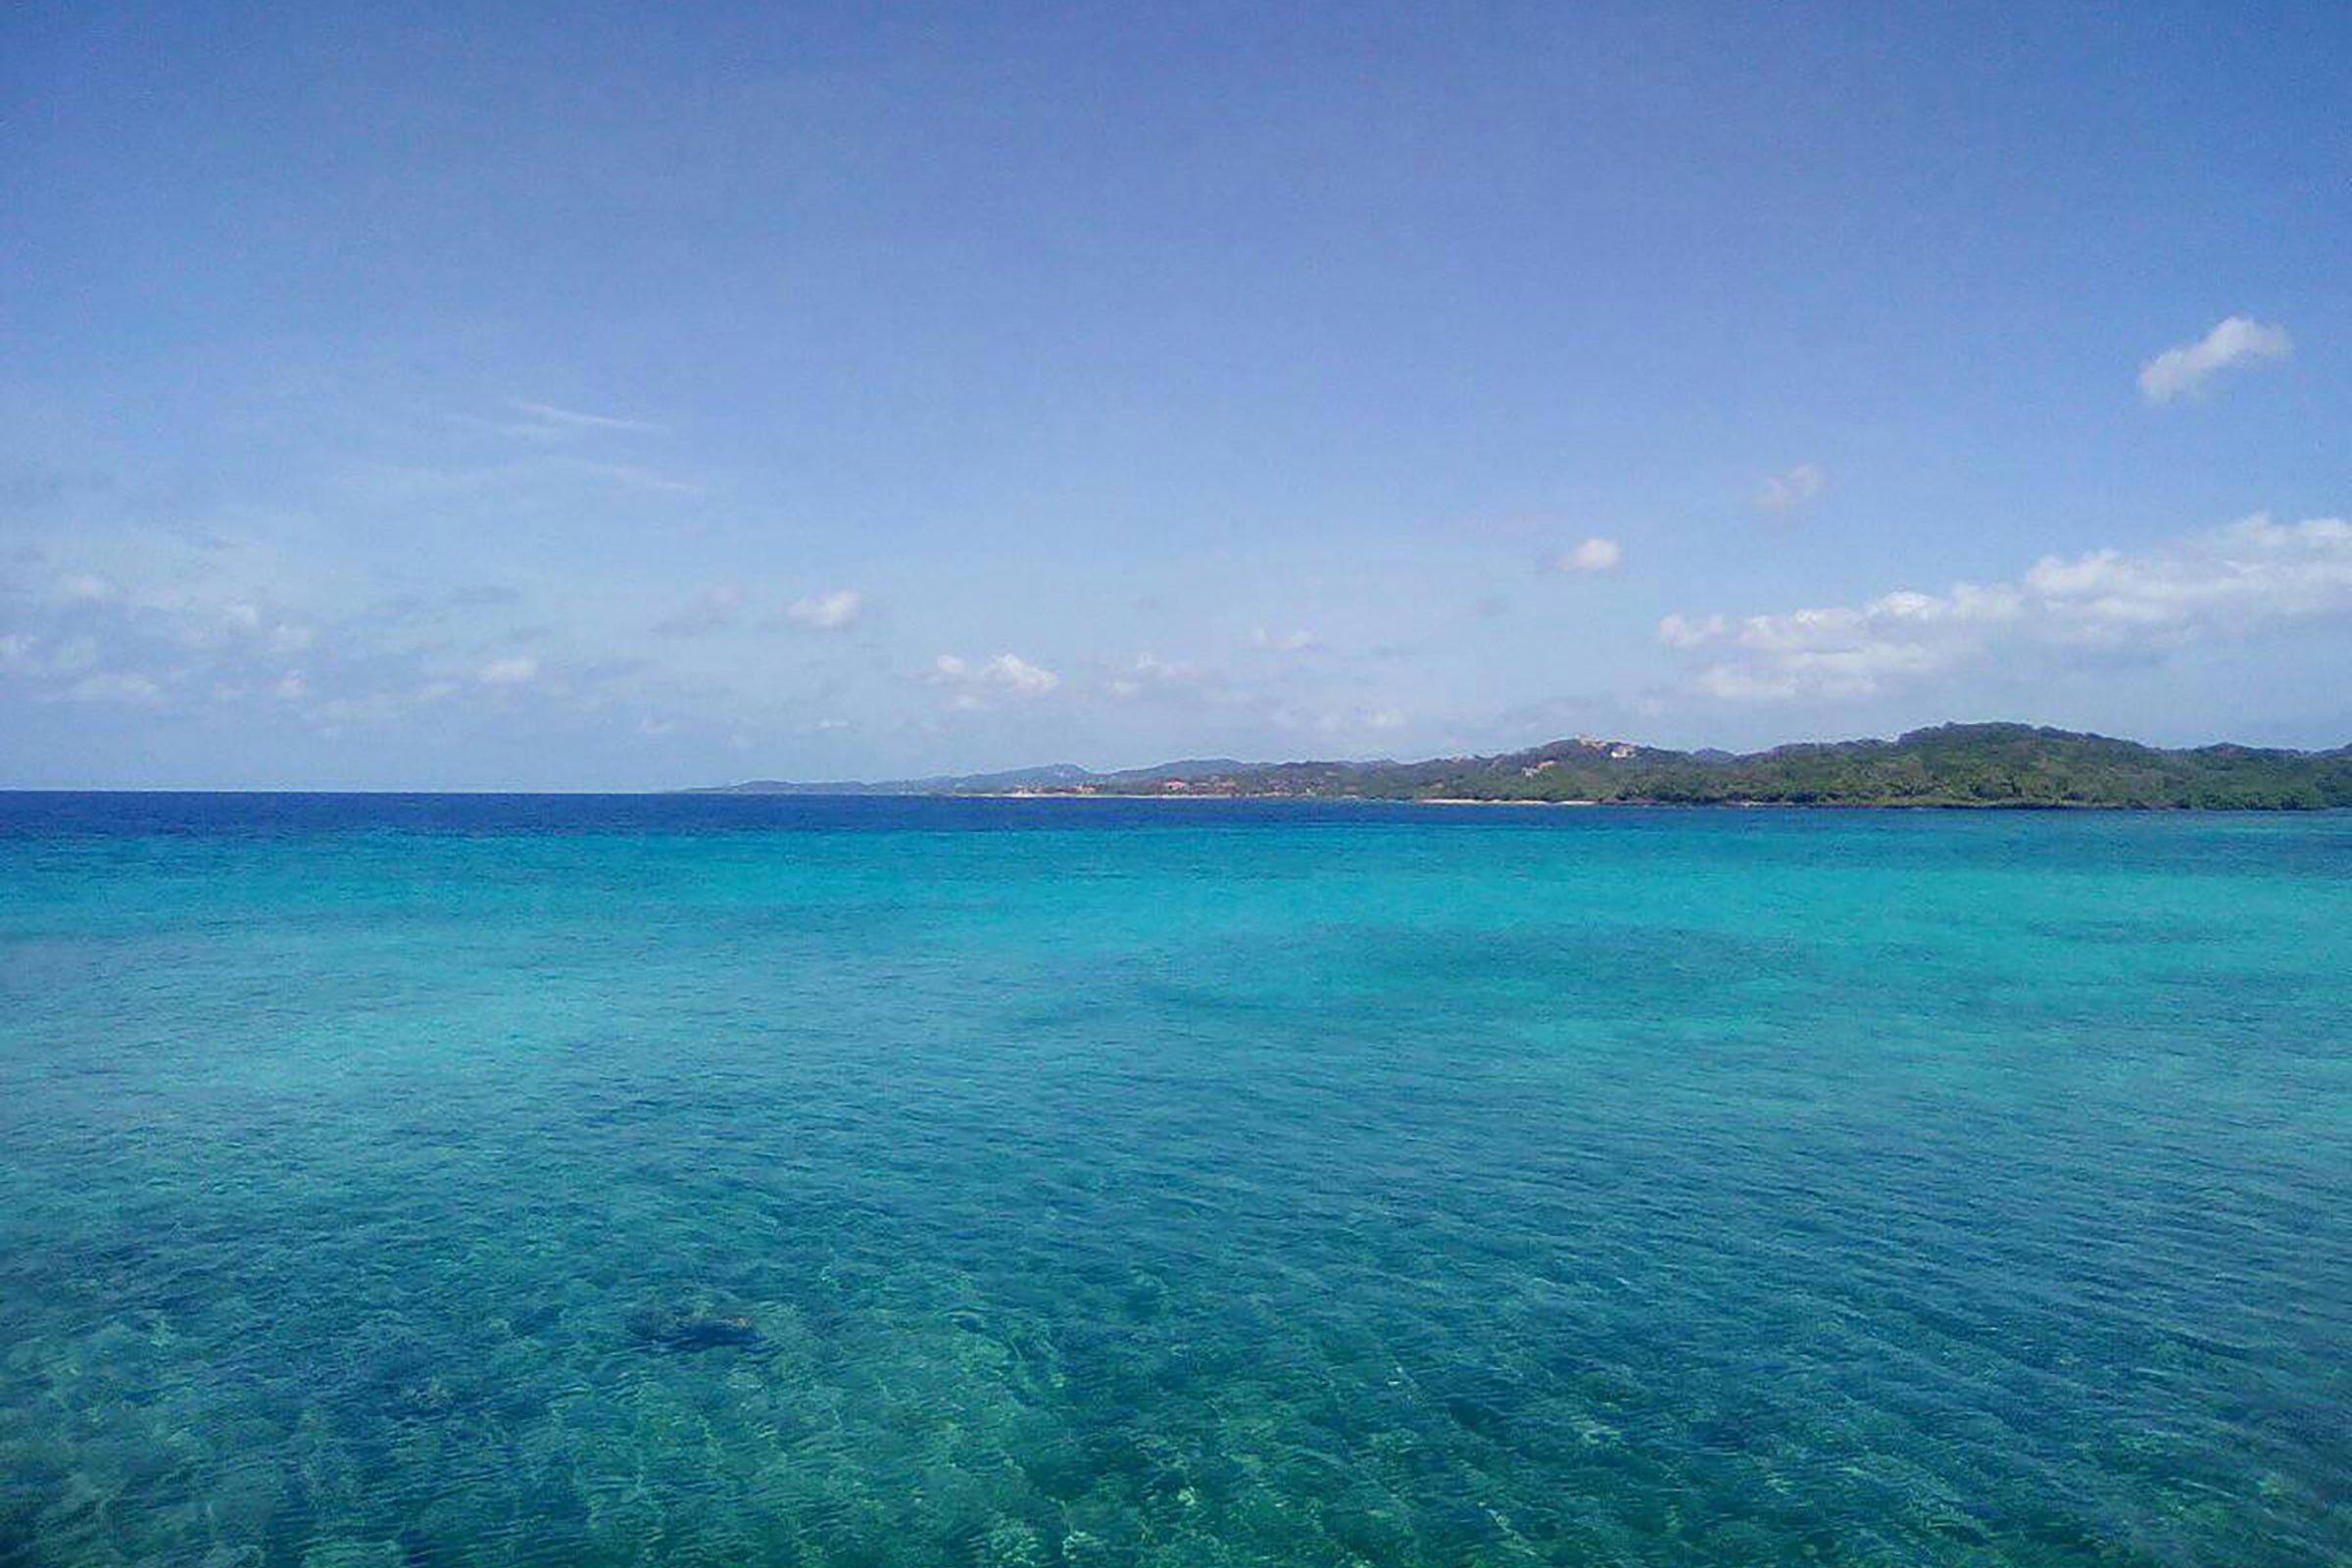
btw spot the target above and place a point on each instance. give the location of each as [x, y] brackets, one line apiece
[509, 672]
[1360, 722]
[712, 611]
[1785, 493]
[143, 623]
[2236, 342]
[84, 586]
[115, 686]
[544, 481]
[827, 612]
[1148, 672]
[2227, 583]
[545, 419]
[632, 477]
[1283, 642]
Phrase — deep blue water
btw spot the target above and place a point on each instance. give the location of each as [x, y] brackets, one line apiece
[408, 1181]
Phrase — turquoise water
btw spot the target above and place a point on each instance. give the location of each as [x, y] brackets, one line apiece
[409, 1182]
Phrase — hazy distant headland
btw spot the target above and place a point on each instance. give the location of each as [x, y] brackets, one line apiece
[1948, 765]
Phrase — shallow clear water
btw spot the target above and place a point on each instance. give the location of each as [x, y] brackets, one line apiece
[879, 1182]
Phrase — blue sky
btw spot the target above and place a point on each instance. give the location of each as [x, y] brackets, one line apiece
[633, 397]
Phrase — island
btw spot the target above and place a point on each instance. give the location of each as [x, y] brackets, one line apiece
[1981, 765]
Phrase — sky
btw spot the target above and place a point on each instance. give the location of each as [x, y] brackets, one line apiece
[633, 397]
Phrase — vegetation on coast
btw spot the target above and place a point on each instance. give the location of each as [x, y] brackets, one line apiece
[1948, 765]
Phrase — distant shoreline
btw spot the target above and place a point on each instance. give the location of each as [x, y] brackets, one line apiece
[13, 792]
[1995, 766]
[1523, 801]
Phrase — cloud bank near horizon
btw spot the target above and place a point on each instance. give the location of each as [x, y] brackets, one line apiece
[2235, 583]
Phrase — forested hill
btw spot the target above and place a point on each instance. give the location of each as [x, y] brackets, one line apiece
[1953, 765]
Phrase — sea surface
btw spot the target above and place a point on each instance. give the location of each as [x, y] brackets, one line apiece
[389, 1182]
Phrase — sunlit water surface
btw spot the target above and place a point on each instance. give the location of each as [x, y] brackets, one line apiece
[409, 1182]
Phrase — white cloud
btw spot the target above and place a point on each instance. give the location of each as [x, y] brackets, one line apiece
[1684, 631]
[2239, 340]
[1785, 493]
[1017, 674]
[84, 587]
[1149, 672]
[1593, 557]
[1006, 675]
[1362, 722]
[2229, 581]
[1285, 642]
[828, 612]
[2226, 583]
[111, 686]
[228, 623]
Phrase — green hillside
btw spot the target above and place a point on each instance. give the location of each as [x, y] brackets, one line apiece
[1952, 764]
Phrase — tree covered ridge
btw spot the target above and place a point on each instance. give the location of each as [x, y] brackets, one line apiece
[1950, 765]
